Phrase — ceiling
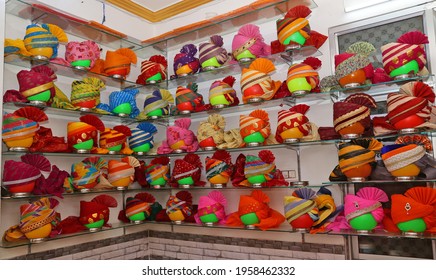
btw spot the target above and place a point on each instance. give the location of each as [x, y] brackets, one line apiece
[156, 11]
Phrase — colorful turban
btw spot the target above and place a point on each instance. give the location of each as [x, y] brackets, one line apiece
[158, 100]
[249, 38]
[179, 206]
[119, 61]
[140, 203]
[156, 64]
[190, 94]
[366, 200]
[16, 46]
[302, 201]
[397, 156]
[356, 108]
[232, 139]
[256, 121]
[219, 164]
[260, 165]
[213, 127]
[97, 209]
[44, 36]
[306, 69]
[213, 203]
[325, 204]
[122, 169]
[213, 49]
[86, 174]
[294, 21]
[357, 152]
[257, 74]
[114, 137]
[17, 174]
[224, 87]
[21, 124]
[88, 89]
[117, 98]
[353, 59]
[189, 166]
[179, 136]
[86, 129]
[187, 57]
[158, 168]
[417, 202]
[86, 50]
[35, 81]
[295, 117]
[409, 47]
[142, 134]
[257, 203]
[38, 214]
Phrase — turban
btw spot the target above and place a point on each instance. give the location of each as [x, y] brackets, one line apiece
[213, 127]
[97, 209]
[409, 47]
[158, 168]
[306, 69]
[158, 100]
[190, 94]
[294, 21]
[301, 202]
[140, 203]
[119, 60]
[86, 90]
[356, 108]
[258, 74]
[122, 169]
[219, 164]
[325, 204]
[36, 81]
[189, 166]
[261, 165]
[86, 129]
[213, 203]
[44, 36]
[357, 153]
[38, 214]
[142, 134]
[295, 117]
[366, 200]
[156, 64]
[224, 87]
[113, 137]
[179, 206]
[187, 57]
[398, 156]
[86, 50]
[117, 98]
[256, 121]
[174, 134]
[213, 49]
[86, 174]
[353, 59]
[249, 38]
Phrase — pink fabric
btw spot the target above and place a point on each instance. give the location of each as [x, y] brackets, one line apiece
[175, 133]
[248, 32]
[82, 50]
[350, 206]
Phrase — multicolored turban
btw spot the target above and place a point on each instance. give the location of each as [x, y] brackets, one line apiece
[140, 203]
[213, 203]
[114, 137]
[306, 69]
[86, 129]
[179, 206]
[177, 134]
[117, 98]
[258, 74]
[357, 153]
[86, 174]
[295, 117]
[156, 64]
[88, 89]
[187, 57]
[44, 36]
[224, 87]
[219, 164]
[190, 94]
[142, 134]
[397, 156]
[263, 164]
[158, 100]
[256, 121]
[158, 168]
[213, 49]
[122, 169]
[302, 201]
[257, 203]
[294, 21]
[249, 38]
[356, 57]
[86, 50]
[409, 47]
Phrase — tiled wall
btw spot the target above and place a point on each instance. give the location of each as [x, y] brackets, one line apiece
[152, 244]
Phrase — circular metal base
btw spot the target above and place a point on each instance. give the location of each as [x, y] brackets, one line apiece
[408, 130]
[220, 106]
[139, 153]
[254, 144]
[121, 188]
[137, 222]
[83, 109]
[117, 76]
[184, 74]
[300, 183]
[152, 82]
[38, 103]
[18, 149]
[351, 136]
[210, 148]
[122, 115]
[256, 185]
[245, 60]
[81, 68]
[255, 100]
[185, 186]
[37, 240]
[411, 233]
[292, 47]
[405, 178]
[352, 85]
[363, 231]
[301, 230]
[185, 112]
[291, 140]
[218, 186]
[178, 151]
[20, 194]
[209, 224]
[357, 179]
[404, 76]
[154, 117]
[95, 229]
[85, 190]
[177, 222]
[158, 186]
[114, 152]
[250, 226]
[82, 151]
[40, 57]
[300, 92]
[208, 68]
